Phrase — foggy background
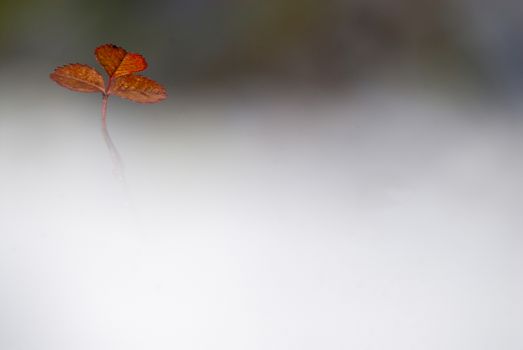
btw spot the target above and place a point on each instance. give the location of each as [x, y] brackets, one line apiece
[323, 175]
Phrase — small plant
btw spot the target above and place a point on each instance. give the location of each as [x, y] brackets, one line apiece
[120, 66]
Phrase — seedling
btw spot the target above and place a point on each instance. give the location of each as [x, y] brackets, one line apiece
[120, 66]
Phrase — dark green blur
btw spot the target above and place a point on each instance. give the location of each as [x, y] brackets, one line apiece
[225, 41]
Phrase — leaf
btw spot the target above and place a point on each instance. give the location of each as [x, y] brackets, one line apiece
[120, 65]
[79, 77]
[138, 88]
[118, 62]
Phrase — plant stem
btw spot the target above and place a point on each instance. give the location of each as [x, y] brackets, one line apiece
[118, 167]
[104, 110]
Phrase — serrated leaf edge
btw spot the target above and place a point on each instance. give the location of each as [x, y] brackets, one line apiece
[110, 92]
[55, 72]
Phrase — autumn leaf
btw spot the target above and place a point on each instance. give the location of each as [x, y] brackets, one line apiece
[118, 62]
[138, 88]
[79, 77]
[120, 66]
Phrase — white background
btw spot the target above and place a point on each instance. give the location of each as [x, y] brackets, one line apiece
[371, 219]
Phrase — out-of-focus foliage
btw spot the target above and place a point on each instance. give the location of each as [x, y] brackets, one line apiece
[206, 41]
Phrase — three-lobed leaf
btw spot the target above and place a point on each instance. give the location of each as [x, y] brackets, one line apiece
[120, 66]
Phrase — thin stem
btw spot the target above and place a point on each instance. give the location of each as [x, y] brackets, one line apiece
[118, 168]
[104, 110]
[105, 95]
[117, 161]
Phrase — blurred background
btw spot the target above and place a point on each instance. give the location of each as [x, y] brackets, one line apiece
[324, 175]
[313, 43]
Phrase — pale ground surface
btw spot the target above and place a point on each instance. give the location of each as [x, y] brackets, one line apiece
[368, 220]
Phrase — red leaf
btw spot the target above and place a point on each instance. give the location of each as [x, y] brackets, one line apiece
[120, 66]
[138, 88]
[118, 62]
[79, 77]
